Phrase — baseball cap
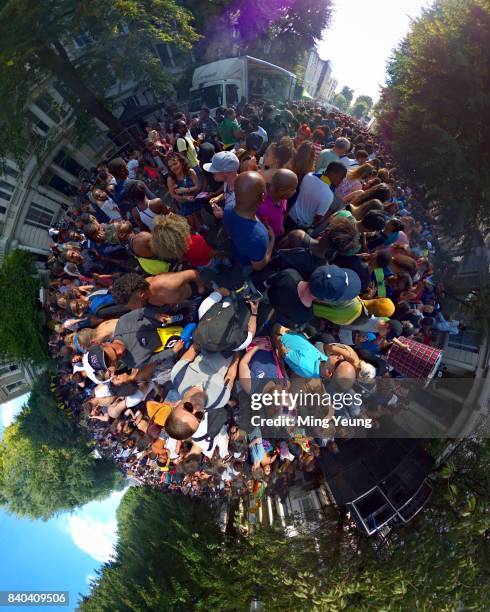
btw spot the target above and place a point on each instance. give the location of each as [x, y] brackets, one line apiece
[225, 161]
[206, 152]
[93, 362]
[335, 284]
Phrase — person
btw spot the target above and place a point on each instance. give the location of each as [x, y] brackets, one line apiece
[146, 210]
[252, 242]
[105, 209]
[119, 169]
[248, 155]
[224, 168]
[315, 197]
[257, 128]
[133, 163]
[183, 185]
[292, 297]
[302, 135]
[207, 125]
[273, 209]
[184, 143]
[142, 340]
[354, 180]
[166, 289]
[214, 373]
[278, 155]
[172, 239]
[229, 129]
[307, 361]
[337, 154]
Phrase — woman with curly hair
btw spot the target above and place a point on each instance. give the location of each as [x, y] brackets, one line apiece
[171, 239]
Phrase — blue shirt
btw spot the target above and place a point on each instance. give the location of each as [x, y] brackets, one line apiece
[302, 357]
[249, 238]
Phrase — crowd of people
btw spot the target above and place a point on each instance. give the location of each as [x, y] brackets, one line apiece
[260, 250]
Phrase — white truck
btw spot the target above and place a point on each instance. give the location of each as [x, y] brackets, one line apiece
[225, 82]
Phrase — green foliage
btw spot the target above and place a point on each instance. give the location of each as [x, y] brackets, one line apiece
[46, 462]
[44, 421]
[22, 335]
[359, 110]
[292, 28]
[367, 100]
[170, 557]
[434, 111]
[340, 101]
[348, 93]
[36, 36]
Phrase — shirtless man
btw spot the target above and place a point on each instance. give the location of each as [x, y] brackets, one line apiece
[161, 290]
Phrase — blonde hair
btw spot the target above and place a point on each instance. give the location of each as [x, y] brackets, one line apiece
[361, 210]
[170, 236]
[379, 307]
[360, 172]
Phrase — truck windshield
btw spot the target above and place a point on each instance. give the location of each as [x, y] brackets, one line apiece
[211, 96]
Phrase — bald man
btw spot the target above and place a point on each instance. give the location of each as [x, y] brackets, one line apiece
[252, 241]
[273, 209]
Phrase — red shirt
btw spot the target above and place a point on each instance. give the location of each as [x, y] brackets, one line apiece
[198, 253]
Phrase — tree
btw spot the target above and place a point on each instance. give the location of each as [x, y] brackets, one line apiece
[44, 420]
[40, 481]
[359, 109]
[340, 102]
[348, 93]
[366, 100]
[433, 111]
[47, 464]
[169, 556]
[35, 54]
[22, 334]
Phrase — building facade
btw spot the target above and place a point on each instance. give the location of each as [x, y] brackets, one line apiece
[33, 198]
[318, 81]
[15, 380]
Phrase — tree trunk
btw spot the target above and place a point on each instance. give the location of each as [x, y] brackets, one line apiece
[60, 65]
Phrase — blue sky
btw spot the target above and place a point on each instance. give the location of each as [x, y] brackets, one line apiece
[61, 554]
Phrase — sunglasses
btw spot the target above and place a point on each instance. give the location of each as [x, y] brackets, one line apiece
[188, 407]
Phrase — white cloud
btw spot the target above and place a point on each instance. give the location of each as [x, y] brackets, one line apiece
[93, 527]
[96, 538]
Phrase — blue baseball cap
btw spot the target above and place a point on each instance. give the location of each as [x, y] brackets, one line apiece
[333, 284]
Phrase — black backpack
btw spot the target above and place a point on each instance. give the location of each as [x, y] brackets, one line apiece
[223, 327]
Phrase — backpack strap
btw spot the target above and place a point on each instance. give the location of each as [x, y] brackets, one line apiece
[379, 277]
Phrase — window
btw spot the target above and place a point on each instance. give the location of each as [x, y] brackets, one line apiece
[47, 104]
[84, 40]
[38, 123]
[50, 179]
[9, 171]
[39, 216]
[7, 186]
[211, 96]
[8, 369]
[231, 94]
[66, 162]
[131, 101]
[16, 385]
[5, 196]
[3, 210]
